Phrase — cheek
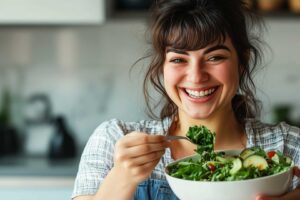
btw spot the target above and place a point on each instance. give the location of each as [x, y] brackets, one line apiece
[172, 80]
[171, 77]
[229, 77]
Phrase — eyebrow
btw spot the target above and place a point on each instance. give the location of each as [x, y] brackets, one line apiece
[214, 48]
[176, 51]
[217, 47]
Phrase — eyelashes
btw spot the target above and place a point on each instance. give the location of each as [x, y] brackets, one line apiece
[216, 58]
[177, 60]
[211, 59]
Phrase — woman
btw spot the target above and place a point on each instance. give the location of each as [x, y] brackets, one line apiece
[202, 64]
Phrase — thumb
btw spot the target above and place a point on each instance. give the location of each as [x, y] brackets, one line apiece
[263, 197]
[297, 171]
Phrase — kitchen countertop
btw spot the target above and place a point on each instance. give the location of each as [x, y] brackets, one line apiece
[38, 166]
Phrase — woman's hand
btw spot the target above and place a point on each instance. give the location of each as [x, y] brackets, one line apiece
[136, 155]
[293, 195]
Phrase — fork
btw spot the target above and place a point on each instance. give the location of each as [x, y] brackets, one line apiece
[178, 137]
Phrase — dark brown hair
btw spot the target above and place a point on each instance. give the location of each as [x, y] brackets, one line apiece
[194, 24]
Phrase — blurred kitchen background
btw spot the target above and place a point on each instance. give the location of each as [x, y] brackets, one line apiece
[65, 68]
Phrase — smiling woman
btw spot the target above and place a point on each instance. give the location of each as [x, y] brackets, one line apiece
[202, 82]
[204, 54]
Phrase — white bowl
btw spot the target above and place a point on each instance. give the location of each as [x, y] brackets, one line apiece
[273, 185]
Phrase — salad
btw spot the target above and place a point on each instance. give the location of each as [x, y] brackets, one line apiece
[251, 163]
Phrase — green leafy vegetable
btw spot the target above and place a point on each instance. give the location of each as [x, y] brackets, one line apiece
[216, 166]
[203, 137]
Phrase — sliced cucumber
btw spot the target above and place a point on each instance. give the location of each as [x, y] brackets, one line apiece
[255, 161]
[275, 158]
[221, 159]
[224, 159]
[246, 153]
[237, 165]
[288, 160]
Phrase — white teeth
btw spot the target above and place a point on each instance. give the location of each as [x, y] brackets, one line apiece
[199, 94]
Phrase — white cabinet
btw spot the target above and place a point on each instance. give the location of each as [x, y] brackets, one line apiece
[40, 12]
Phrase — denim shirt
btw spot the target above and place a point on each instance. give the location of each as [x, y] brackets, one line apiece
[154, 189]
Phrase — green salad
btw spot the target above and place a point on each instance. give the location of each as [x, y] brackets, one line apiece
[217, 166]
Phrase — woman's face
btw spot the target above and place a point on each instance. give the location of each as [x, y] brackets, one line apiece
[203, 82]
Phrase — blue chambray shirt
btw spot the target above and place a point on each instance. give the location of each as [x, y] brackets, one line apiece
[97, 157]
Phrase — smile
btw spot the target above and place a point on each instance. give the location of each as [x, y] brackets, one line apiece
[200, 94]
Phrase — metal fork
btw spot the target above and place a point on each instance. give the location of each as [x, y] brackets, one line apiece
[178, 137]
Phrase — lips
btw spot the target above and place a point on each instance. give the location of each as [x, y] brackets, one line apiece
[200, 93]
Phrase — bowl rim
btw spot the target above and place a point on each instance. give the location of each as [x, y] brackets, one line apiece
[289, 170]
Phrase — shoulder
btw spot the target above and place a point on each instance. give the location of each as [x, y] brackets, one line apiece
[271, 135]
[280, 136]
[259, 127]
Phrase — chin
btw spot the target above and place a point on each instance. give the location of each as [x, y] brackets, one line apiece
[201, 116]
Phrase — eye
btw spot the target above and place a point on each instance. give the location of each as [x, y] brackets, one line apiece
[177, 60]
[216, 58]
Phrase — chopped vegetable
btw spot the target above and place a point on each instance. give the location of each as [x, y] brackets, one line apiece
[246, 153]
[255, 161]
[203, 137]
[252, 162]
[275, 158]
[236, 166]
[271, 154]
[211, 167]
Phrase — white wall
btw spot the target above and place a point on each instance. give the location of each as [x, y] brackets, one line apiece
[85, 70]
[279, 81]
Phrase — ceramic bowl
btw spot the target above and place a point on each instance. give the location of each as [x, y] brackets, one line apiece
[273, 185]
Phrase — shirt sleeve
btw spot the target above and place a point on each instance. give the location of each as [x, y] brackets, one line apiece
[97, 159]
[292, 148]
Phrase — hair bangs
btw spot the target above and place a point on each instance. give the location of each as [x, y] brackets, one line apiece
[193, 32]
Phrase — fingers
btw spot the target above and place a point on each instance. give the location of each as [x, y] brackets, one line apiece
[143, 149]
[144, 159]
[297, 171]
[262, 197]
[141, 146]
[293, 195]
[136, 138]
[140, 154]
[137, 154]
[143, 171]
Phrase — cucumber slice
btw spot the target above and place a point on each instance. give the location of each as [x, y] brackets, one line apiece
[255, 161]
[275, 158]
[225, 159]
[237, 165]
[246, 153]
[288, 160]
[221, 159]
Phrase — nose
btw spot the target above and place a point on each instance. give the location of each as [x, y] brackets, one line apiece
[197, 73]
